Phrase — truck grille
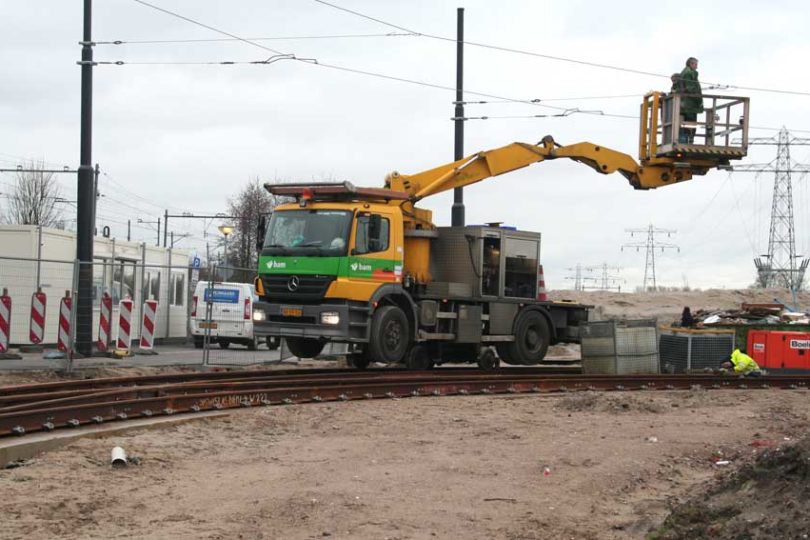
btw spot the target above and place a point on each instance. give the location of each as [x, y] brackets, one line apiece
[307, 287]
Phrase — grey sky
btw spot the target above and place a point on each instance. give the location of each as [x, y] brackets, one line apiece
[187, 137]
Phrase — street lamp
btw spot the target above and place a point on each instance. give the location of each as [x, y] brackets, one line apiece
[226, 231]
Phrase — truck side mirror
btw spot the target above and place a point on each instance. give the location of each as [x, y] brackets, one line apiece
[261, 230]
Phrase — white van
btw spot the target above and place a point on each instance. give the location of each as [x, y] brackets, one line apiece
[231, 315]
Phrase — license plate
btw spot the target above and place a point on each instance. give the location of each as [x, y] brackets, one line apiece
[292, 311]
[212, 326]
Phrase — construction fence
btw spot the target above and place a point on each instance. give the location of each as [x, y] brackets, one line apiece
[198, 315]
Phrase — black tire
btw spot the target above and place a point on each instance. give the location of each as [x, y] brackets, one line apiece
[532, 338]
[199, 341]
[419, 358]
[390, 336]
[224, 343]
[273, 342]
[253, 344]
[487, 360]
[305, 348]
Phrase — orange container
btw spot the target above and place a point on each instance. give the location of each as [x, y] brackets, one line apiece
[779, 351]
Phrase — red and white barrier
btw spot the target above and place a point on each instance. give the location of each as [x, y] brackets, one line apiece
[104, 323]
[5, 320]
[148, 325]
[39, 303]
[124, 324]
[63, 338]
[542, 294]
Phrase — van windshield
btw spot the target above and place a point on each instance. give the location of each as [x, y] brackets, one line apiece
[319, 233]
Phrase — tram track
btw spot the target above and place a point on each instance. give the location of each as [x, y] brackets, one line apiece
[51, 406]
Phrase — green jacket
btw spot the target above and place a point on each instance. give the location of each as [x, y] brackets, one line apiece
[743, 363]
[689, 81]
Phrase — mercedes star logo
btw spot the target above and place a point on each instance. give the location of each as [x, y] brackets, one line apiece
[292, 284]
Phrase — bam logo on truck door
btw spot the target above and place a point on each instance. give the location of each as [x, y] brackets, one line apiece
[800, 343]
[360, 267]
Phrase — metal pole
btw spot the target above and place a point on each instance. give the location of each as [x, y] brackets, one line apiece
[158, 237]
[85, 198]
[73, 317]
[165, 226]
[129, 230]
[457, 219]
[39, 254]
[169, 303]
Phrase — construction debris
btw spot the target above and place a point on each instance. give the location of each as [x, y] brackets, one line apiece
[750, 314]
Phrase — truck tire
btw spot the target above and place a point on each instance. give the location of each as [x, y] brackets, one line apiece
[198, 342]
[305, 348]
[390, 335]
[223, 343]
[532, 338]
[358, 360]
[505, 355]
[252, 344]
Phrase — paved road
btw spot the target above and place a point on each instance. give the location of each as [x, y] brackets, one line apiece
[169, 355]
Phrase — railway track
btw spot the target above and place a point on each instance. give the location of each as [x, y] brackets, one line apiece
[49, 406]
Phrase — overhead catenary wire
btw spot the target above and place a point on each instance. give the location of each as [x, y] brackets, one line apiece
[552, 57]
[266, 38]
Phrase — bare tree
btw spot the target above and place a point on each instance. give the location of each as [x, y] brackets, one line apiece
[249, 205]
[34, 198]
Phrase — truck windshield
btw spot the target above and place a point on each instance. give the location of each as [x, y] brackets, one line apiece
[308, 232]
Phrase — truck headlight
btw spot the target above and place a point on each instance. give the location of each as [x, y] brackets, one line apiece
[330, 317]
[259, 315]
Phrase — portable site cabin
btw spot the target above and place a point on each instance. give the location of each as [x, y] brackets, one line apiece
[120, 268]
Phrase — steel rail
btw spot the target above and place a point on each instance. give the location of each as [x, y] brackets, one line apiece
[9, 394]
[195, 398]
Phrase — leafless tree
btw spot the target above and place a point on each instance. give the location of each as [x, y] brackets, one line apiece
[248, 206]
[34, 198]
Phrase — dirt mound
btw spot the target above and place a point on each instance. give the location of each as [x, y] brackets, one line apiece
[765, 499]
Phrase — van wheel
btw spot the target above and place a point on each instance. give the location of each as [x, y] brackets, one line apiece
[305, 348]
[532, 338]
[390, 335]
[198, 342]
[224, 343]
[253, 344]
[273, 342]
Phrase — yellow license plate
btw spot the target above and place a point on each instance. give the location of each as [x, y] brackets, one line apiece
[292, 312]
[212, 326]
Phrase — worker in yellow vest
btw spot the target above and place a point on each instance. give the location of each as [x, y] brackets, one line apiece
[743, 364]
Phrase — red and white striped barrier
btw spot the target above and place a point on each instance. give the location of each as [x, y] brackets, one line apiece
[5, 320]
[63, 338]
[104, 323]
[39, 303]
[542, 294]
[148, 325]
[124, 324]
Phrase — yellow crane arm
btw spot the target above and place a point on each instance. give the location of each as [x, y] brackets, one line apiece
[483, 165]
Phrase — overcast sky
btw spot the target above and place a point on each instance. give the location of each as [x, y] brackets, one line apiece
[187, 137]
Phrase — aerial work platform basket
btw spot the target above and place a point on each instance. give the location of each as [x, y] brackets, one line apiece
[717, 135]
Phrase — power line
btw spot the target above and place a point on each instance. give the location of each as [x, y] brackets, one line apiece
[550, 57]
[273, 38]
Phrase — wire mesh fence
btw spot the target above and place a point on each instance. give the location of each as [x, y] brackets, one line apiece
[221, 322]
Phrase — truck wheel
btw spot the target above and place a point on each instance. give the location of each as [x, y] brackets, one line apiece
[532, 338]
[224, 343]
[273, 342]
[390, 335]
[305, 348]
[419, 358]
[487, 360]
[253, 344]
[198, 342]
